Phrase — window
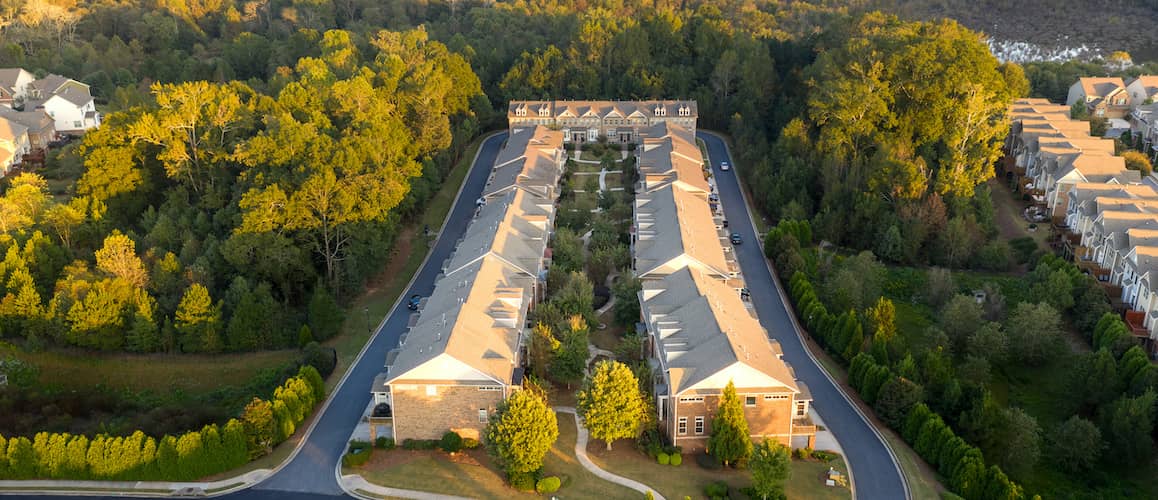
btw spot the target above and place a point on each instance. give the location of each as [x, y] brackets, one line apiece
[683, 426]
[776, 396]
[692, 400]
[482, 415]
[77, 124]
[699, 425]
[750, 401]
[490, 388]
[799, 409]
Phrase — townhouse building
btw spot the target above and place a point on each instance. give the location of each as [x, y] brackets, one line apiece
[1104, 97]
[1104, 216]
[702, 333]
[587, 121]
[463, 353]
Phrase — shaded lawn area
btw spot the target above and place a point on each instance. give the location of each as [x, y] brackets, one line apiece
[689, 479]
[608, 338]
[613, 180]
[160, 373]
[473, 474]
[909, 284]
[587, 168]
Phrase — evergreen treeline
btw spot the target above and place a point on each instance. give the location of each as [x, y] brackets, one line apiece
[192, 455]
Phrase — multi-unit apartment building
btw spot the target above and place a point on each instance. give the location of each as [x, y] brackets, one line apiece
[1103, 215]
[588, 121]
[702, 333]
[463, 354]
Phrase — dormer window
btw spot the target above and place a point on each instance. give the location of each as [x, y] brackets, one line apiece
[685, 111]
[660, 111]
[544, 111]
[521, 111]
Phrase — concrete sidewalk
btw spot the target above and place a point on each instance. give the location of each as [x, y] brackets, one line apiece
[134, 488]
[581, 454]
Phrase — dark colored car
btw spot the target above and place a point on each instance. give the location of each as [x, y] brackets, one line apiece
[414, 301]
[383, 410]
[736, 239]
[725, 222]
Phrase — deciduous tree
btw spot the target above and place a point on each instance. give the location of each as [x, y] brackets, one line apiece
[521, 432]
[611, 403]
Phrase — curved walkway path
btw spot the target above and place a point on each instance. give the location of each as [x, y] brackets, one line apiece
[581, 454]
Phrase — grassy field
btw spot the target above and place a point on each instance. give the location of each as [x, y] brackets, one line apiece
[689, 478]
[608, 338]
[613, 180]
[474, 475]
[190, 374]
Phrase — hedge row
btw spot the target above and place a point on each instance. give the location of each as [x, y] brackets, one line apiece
[961, 463]
[933, 440]
[138, 457]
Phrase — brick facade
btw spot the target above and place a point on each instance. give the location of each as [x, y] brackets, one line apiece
[770, 417]
[421, 414]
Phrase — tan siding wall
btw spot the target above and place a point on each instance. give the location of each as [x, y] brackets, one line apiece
[419, 416]
[772, 418]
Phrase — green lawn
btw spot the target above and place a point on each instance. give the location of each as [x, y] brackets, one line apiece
[159, 373]
[608, 338]
[689, 478]
[477, 477]
[613, 180]
[586, 168]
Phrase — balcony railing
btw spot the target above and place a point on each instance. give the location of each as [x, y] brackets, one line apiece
[1135, 320]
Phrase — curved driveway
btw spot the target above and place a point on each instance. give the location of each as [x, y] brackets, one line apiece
[875, 473]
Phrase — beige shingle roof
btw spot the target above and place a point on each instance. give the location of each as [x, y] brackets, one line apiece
[705, 333]
[11, 130]
[675, 228]
[514, 228]
[1101, 86]
[669, 154]
[529, 161]
[602, 109]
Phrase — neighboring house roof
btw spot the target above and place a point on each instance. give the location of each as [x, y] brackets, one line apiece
[1101, 87]
[37, 121]
[50, 84]
[11, 130]
[9, 77]
[6, 156]
[675, 228]
[529, 161]
[515, 228]
[1149, 84]
[707, 337]
[1096, 167]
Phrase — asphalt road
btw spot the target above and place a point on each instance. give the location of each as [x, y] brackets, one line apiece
[312, 470]
[310, 476]
[875, 474]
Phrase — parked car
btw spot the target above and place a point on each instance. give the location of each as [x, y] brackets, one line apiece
[725, 222]
[724, 166]
[736, 239]
[414, 301]
[713, 197]
[383, 410]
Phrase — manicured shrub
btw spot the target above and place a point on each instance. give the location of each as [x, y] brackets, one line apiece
[677, 459]
[451, 442]
[384, 443]
[663, 458]
[359, 453]
[718, 489]
[522, 481]
[824, 456]
[549, 484]
[419, 444]
[470, 443]
[802, 453]
[708, 462]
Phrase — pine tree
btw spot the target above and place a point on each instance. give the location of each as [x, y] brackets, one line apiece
[611, 403]
[521, 432]
[190, 455]
[544, 345]
[76, 463]
[21, 458]
[198, 321]
[260, 427]
[324, 313]
[168, 459]
[730, 442]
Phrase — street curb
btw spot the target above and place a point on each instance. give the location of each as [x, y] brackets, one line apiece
[430, 251]
[799, 334]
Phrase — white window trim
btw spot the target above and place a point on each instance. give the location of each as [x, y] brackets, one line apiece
[682, 426]
[483, 416]
[699, 426]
